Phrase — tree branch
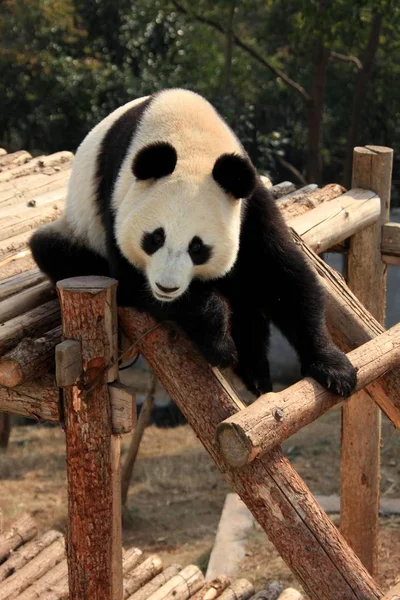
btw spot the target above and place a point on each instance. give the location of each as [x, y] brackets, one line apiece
[349, 59]
[247, 48]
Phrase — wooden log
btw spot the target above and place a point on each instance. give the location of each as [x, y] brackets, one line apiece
[278, 498]
[29, 360]
[212, 589]
[271, 592]
[14, 158]
[40, 585]
[366, 276]
[281, 189]
[14, 244]
[298, 196]
[274, 417]
[58, 591]
[33, 570]
[334, 221]
[390, 245]
[17, 283]
[20, 532]
[351, 325]
[40, 163]
[130, 559]
[31, 186]
[5, 430]
[182, 586]
[26, 300]
[393, 593]
[156, 583]
[290, 594]
[241, 589]
[69, 365]
[296, 204]
[94, 545]
[137, 578]
[26, 553]
[16, 263]
[123, 408]
[3, 151]
[37, 400]
[131, 455]
[33, 323]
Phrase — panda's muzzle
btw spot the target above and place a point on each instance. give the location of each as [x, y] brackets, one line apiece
[166, 290]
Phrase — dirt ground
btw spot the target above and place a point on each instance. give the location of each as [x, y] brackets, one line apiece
[177, 494]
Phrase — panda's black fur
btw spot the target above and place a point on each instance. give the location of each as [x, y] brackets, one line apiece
[270, 281]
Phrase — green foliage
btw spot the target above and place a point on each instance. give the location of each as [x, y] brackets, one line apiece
[64, 64]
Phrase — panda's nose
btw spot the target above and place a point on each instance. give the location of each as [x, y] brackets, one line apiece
[167, 290]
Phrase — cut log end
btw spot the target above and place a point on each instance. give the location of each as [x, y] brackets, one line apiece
[234, 445]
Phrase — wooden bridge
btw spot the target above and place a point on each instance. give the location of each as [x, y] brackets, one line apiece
[243, 441]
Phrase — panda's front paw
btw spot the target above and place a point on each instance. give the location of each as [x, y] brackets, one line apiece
[334, 371]
[257, 383]
[219, 353]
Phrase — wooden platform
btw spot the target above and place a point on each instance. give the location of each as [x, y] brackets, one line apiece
[34, 566]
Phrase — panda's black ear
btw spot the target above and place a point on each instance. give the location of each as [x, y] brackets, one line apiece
[235, 174]
[154, 161]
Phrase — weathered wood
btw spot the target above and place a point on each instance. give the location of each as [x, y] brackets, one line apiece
[130, 559]
[18, 283]
[29, 360]
[366, 276]
[351, 325]
[20, 532]
[69, 365]
[298, 203]
[37, 400]
[33, 570]
[14, 158]
[28, 187]
[212, 589]
[130, 458]
[38, 164]
[94, 544]
[14, 244]
[40, 585]
[334, 221]
[393, 594]
[241, 589]
[182, 586]
[271, 592]
[27, 552]
[278, 498]
[123, 407]
[5, 430]
[274, 417]
[281, 189]
[57, 591]
[390, 245]
[135, 579]
[156, 583]
[32, 323]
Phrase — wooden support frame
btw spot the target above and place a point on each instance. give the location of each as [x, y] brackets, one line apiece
[366, 276]
[274, 417]
[278, 498]
[94, 548]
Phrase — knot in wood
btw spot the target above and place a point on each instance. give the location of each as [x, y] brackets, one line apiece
[278, 413]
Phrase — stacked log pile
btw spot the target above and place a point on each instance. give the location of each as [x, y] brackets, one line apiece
[34, 567]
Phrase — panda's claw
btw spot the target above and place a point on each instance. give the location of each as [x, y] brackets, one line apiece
[334, 371]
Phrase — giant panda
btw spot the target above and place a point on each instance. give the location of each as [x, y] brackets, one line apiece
[164, 198]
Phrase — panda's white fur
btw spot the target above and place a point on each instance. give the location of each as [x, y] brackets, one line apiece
[187, 203]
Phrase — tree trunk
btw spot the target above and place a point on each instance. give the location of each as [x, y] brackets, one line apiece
[360, 93]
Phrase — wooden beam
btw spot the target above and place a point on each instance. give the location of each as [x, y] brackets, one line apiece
[361, 422]
[274, 417]
[332, 222]
[390, 246]
[393, 594]
[37, 400]
[278, 498]
[94, 531]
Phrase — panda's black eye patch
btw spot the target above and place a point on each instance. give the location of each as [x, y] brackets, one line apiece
[235, 174]
[151, 242]
[199, 252]
[154, 161]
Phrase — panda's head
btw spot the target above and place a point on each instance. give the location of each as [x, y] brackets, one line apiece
[177, 223]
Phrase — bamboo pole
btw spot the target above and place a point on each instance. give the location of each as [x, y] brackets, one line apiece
[366, 275]
[20, 532]
[274, 417]
[27, 552]
[278, 498]
[94, 531]
[29, 360]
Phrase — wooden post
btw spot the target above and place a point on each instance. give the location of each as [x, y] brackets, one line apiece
[94, 546]
[361, 420]
[278, 498]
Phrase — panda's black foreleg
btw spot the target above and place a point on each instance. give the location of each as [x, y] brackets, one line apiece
[204, 316]
[60, 257]
[251, 332]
